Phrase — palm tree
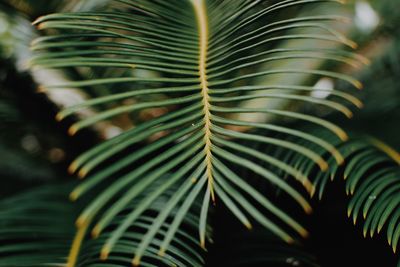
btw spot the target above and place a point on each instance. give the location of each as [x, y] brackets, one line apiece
[218, 108]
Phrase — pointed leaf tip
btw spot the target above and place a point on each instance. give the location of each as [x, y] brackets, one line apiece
[203, 244]
[82, 173]
[104, 253]
[72, 167]
[359, 104]
[312, 192]
[358, 85]
[352, 44]
[310, 188]
[343, 136]
[95, 232]
[73, 196]
[308, 209]
[72, 130]
[136, 261]
[290, 241]
[249, 226]
[323, 165]
[59, 116]
[349, 115]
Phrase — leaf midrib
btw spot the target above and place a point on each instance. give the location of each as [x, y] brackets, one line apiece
[202, 23]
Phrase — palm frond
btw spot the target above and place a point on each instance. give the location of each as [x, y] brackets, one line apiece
[374, 187]
[371, 171]
[199, 60]
[154, 206]
[372, 176]
[37, 227]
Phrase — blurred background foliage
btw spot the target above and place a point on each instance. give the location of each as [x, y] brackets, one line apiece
[35, 149]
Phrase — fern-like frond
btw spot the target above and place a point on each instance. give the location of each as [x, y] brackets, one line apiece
[37, 227]
[372, 175]
[142, 236]
[150, 222]
[199, 60]
[37, 230]
[373, 183]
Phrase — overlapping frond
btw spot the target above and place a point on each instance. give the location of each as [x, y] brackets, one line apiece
[372, 175]
[199, 60]
[139, 234]
[37, 227]
[373, 182]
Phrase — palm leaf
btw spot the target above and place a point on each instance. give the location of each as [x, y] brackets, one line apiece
[184, 249]
[199, 60]
[37, 230]
[372, 175]
[374, 188]
[37, 227]
[372, 181]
